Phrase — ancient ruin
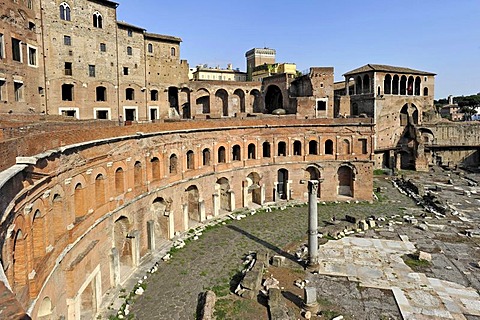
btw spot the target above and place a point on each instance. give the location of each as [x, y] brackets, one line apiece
[104, 164]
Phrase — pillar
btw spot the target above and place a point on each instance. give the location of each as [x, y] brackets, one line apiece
[312, 223]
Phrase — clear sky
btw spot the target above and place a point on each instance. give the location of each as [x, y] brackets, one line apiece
[439, 36]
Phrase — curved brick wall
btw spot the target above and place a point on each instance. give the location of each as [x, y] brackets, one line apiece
[76, 220]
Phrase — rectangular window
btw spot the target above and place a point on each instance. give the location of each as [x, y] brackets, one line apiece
[125, 71]
[68, 68]
[129, 51]
[364, 145]
[67, 40]
[16, 50]
[2, 50]
[3, 96]
[130, 32]
[32, 56]
[103, 47]
[91, 70]
[321, 105]
[30, 4]
[18, 89]
[102, 114]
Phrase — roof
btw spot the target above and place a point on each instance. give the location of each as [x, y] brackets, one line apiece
[387, 68]
[162, 37]
[128, 25]
[107, 2]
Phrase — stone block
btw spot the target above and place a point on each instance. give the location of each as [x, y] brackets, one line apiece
[425, 256]
[278, 261]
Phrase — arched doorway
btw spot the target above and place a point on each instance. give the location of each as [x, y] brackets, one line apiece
[173, 99]
[223, 187]
[273, 99]
[345, 181]
[160, 213]
[254, 190]
[282, 182]
[123, 244]
[193, 206]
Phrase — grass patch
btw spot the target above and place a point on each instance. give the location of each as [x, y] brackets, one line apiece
[413, 262]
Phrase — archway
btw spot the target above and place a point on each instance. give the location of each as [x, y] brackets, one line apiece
[123, 244]
[173, 99]
[254, 190]
[256, 99]
[203, 101]
[223, 187]
[345, 181]
[240, 106]
[160, 213]
[273, 99]
[221, 97]
[184, 97]
[193, 206]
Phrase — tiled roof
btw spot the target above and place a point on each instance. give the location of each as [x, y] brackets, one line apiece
[128, 25]
[387, 68]
[162, 37]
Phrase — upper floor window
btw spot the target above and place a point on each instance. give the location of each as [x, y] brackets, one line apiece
[16, 50]
[150, 48]
[129, 51]
[130, 32]
[2, 50]
[91, 70]
[65, 11]
[30, 4]
[18, 90]
[67, 40]
[172, 52]
[32, 56]
[97, 20]
[103, 47]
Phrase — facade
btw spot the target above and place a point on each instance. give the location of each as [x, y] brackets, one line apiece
[263, 71]
[397, 98]
[257, 57]
[218, 74]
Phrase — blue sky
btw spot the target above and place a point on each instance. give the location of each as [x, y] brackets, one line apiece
[440, 36]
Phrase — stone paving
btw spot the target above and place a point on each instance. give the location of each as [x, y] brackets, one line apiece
[212, 260]
[378, 264]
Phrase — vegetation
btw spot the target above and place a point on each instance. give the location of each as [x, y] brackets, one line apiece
[468, 104]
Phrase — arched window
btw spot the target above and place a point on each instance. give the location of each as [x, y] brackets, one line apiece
[329, 147]
[313, 147]
[65, 11]
[190, 160]
[38, 235]
[236, 153]
[155, 163]
[101, 94]
[129, 51]
[395, 83]
[79, 201]
[346, 146]
[119, 181]
[282, 149]
[251, 151]
[410, 86]
[173, 52]
[418, 83]
[425, 91]
[129, 94]
[150, 48]
[266, 149]
[403, 85]
[358, 85]
[221, 155]
[387, 84]
[366, 83]
[97, 20]
[137, 174]
[173, 164]
[99, 190]
[297, 148]
[206, 157]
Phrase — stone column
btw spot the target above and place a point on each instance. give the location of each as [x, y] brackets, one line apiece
[312, 223]
[151, 235]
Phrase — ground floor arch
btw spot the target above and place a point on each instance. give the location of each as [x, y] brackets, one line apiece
[253, 190]
[345, 181]
[193, 206]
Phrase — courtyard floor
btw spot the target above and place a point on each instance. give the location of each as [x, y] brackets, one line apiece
[353, 281]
